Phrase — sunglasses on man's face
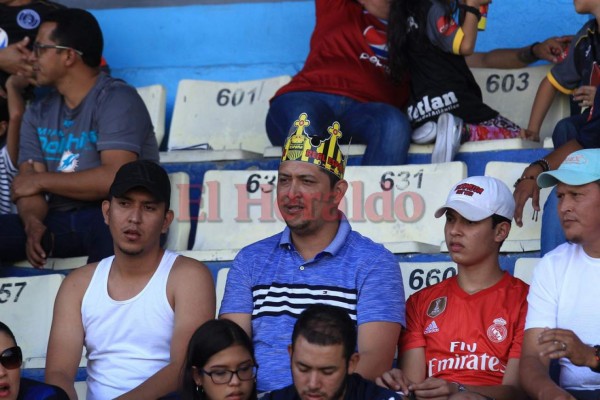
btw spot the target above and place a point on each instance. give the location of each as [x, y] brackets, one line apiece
[11, 358]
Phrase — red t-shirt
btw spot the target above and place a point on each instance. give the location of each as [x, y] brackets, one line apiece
[467, 338]
[348, 56]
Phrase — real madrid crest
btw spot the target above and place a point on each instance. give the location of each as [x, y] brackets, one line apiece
[437, 306]
[497, 331]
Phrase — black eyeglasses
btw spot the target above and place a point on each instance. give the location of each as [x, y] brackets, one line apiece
[223, 376]
[38, 47]
[12, 358]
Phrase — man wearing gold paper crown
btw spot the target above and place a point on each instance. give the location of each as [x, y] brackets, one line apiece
[316, 259]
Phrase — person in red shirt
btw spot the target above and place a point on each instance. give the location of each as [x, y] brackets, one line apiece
[345, 78]
[463, 335]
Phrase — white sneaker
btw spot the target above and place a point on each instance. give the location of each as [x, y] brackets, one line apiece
[425, 133]
[447, 143]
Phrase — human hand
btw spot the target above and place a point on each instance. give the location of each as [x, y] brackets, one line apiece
[433, 389]
[584, 95]
[395, 380]
[558, 343]
[25, 183]
[526, 188]
[552, 49]
[15, 58]
[529, 135]
[34, 249]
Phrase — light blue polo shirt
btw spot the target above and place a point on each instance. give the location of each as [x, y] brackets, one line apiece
[270, 280]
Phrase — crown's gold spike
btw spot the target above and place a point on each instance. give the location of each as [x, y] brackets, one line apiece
[324, 152]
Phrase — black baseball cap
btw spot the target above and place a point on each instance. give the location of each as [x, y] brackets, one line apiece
[143, 174]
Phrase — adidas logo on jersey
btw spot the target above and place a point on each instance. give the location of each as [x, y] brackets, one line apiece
[432, 328]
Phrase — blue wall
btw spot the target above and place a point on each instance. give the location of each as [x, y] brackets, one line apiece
[243, 41]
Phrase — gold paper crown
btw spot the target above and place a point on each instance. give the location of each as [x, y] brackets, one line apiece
[325, 153]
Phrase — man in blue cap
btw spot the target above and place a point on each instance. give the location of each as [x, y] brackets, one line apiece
[562, 319]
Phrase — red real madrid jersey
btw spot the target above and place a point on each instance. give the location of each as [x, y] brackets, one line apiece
[467, 338]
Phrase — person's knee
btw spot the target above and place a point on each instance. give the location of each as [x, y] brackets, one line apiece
[563, 132]
[395, 129]
[388, 137]
[277, 123]
[286, 109]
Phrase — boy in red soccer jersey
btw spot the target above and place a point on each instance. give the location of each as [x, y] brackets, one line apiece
[463, 336]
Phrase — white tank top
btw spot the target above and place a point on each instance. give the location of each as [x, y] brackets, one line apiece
[126, 341]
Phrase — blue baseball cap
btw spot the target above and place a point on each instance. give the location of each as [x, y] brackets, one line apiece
[579, 168]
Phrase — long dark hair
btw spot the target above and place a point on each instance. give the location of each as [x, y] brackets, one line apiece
[5, 329]
[399, 27]
[209, 339]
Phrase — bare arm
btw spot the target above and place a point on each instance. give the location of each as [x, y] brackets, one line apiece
[414, 373]
[508, 390]
[376, 346]
[32, 211]
[16, 107]
[469, 28]
[541, 105]
[528, 187]
[548, 50]
[66, 336]
[88, 185]
[533, 371]
[414, 364]
[243, 320]
[192, 292]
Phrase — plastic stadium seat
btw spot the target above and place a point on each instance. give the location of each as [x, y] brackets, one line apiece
[526, 238]
[348, 150]
[220, 286]
[56, 263]
[394, 205]
[155, 99]
[237, 208]
[391, 205]
[511, 92]
[417, 275]
[524, 267]
[81, 389]
[26, 306]
[179, 231]
[227, 117]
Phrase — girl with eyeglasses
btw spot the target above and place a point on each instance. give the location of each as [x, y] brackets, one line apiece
[12, 386]
[219, 364]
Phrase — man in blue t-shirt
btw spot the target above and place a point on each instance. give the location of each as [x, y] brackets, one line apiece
[316, 259]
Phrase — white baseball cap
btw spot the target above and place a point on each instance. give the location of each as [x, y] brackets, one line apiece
[479, 197]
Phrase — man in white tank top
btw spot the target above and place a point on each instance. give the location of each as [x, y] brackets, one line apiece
[135, 311]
